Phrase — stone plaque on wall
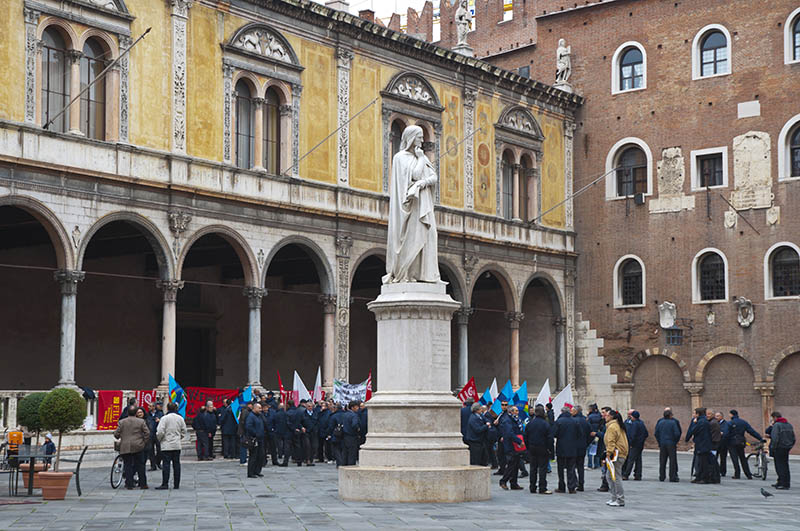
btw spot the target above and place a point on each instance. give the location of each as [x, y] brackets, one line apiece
[751, 171]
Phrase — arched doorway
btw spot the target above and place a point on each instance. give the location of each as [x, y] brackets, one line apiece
[365, 288]
[658, 383]
[119, 307]
[489, 337]
[30, 326]
[787, 389]
[541, 350]
[728, 384]
[212, 314]
[292, 317]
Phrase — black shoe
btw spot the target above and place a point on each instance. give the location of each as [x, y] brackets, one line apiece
[579, 489]
[260, 475]
[516, 487]
[674, 481]
[560, 491]
[299, 464]
[252, 477]
[152, 468]
[533, 490]
[176, 487]
[162, 487]
[637, 479]
[737, 476]
[781, 487]
[503, 486]
[661, 479]
[498, 473]
[523, 474]
[144, 487]
[749, 477]
[309, 464]
[602, 489]
[624, 478]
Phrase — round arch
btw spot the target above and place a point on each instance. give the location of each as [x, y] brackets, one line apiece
[251, 81]
[66, 29]
[284, 93]
[317, 256]
[512, 302]
[710, 355]
[455, 278]
[558, 299]
[150, 231]
[108, 42]
[642, 355]
[778, 359]
[374, 251]
[58, 236]
[239, 244]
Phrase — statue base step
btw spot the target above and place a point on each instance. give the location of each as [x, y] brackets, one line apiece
[414, 484]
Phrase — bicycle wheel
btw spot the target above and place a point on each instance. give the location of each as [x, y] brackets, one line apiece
[764, 466]
[754, 465]
[116, 472]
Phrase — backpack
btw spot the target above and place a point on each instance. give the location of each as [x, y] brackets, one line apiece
[338, 431]
[785, 437]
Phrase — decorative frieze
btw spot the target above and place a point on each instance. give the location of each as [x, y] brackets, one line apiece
[344, 60]
[263, 41]
[124, 87]
[343, 246]
[180, 12]
[32, 49]
[569, 133]
[386, 114]
[469, 125]
[296, 91]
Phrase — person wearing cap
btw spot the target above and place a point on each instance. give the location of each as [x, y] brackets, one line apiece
[49, 447]
[637, 435]
[781, 441]
[273, 403]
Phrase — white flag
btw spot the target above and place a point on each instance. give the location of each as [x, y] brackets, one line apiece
[544, 395]
[564, 398]
[493, 390]
[299, 391]
[318, 386]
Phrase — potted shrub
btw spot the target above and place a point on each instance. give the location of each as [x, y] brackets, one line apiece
[28, 416]
[62, 410]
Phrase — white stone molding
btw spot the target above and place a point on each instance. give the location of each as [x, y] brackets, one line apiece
[784, 153]
[768, 294]
[696, 52]
[569, 312]
[170, 288]
[569, 133]
[695, 170]
[32, 51]
[788, 37]
[254, 297]
[386, 115]
[342, 363]
[413, 88]
[124, 87]
[469, 170]
[611, 161]
[296, 91]
[498, 150]
[227, 112]
[105, 4]
[617, 282]
[616, 81]
[744, 312]
[344, 60]
[180, 14]
[696, 276]
[520, 120]
[752, 171]
[264, 42]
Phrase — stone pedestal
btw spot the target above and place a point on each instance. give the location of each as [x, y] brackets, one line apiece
[414, 451]
[464, 49]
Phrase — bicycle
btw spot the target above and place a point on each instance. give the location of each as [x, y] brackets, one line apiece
[758, 465]
[116, 472]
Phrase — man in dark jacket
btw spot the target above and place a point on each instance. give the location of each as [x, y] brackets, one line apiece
[781, 441]
[595, 420]
[583, 442]
[509, 431]
[492, 436]
[668, 433]
[294, 418]
[539, 442]
[283, 433]
[475, 436]
[637, 435]
[336, 442]
[323, 446]
[502, 458]
[272, 401]
[351, 430]
[716, 440]
[567, 434]
[229, 427]
[240, 432]
[736, 443]
[722, 452]
[254, 429]
[466, 413]
[205, 426]
[700, 431]
[270, 441]
[310, 423]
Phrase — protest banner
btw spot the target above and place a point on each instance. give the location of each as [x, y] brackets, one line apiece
[109, 408]
[196, 397]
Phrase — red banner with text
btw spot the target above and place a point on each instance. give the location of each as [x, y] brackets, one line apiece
[109, 407]
[196, 397]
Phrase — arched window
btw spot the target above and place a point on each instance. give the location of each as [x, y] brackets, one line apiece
[631, 69]
[508, 185]
[244, 125]
[714, 54]
[785, 272]
[396, 135]
[631, 172]
[631, 282]
[55, 80]
[794, 152]
[796, 40]
[711, 275]
[93, 101]
[272, 132]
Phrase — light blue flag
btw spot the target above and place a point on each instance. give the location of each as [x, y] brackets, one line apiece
[235, 408]
[520, 399]
[505, 395]
[177, 395]
[490, 394]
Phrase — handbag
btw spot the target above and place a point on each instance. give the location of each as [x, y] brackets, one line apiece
[518, 442]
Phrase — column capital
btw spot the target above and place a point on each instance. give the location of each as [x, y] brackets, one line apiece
[765, 388]
[514, 318]
[74, 56]
[285, 110]
[254, 296]
[694, 388]
[181, 7]
[258, 101]
[68, 278]
[31, 15]
[328, 303]
[343, 246]
[170, 288]
[463, 313]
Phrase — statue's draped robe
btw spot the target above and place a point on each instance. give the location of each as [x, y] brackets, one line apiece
[411, 254]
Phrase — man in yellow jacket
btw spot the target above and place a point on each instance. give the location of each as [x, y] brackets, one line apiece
[616, 442]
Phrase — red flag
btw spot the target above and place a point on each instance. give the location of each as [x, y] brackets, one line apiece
[369, 387]
[145, 397]
[109, 407]
[284, 393]
[469, 391]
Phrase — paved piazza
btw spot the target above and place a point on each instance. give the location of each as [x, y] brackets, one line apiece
[217, 496]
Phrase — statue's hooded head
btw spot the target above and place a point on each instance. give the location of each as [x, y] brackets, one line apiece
[409, 135]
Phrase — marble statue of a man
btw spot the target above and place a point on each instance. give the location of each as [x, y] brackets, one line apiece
[411, 254]
[463, 22]
[563, 62]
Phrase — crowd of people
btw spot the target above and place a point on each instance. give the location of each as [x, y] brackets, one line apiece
[506, 441]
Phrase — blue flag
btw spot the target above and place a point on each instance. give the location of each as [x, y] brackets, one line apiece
[177, 395]
[505, 396]
[241, 401]
[520, 399]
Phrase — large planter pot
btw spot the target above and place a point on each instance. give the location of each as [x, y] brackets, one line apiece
[24, 469]
[54, 484]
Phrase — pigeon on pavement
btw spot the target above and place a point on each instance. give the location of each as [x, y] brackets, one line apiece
[765, 493]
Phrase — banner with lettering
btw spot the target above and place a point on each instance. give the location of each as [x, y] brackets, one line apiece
[344, 392]
[145, 397]
[109, 408]
[196, 397]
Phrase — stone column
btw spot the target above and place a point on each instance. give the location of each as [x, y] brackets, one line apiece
[258, 140]
[328, 340]
[569, 312]
[462, 317]
[69, 288]
[285, 113]
[514, 318]
[561, 366]
[254, 296]
[696, 390]
[344, 58]
[168, 323]
[180, 15]
[516, 194]
[74, 59]
[343, 246]
[767, 390]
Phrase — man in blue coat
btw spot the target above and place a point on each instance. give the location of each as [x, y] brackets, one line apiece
[567, 433]
[637, 435]
[337, 442]
[583, 442]
[509, 430]
[700, 431]
[722, 452]
[668, 433]
[595, 420]
[270, 441]
[351, 430]
[283, 435]
[466, 412]
[254, 429]
[475, 436]
[539, 442]
[229, 427]
[310, 438]
[737, 441]
[324, 451]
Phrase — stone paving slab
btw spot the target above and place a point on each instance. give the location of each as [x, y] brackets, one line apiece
[217, 495]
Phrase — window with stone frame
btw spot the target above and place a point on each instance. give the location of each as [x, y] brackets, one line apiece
[631, 283]
[244, 125]
[508, 185]
[396, 136]
[714, 54]
[674, 336]
[794, 152]
[711, 275]
[631, 70]
[55, 81]
[631, 172]
[272, 132]
[785, 272]
[93, 101]
[796, 39]
[710, 169]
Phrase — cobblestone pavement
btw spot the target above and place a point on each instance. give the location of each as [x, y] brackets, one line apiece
[218, 496]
